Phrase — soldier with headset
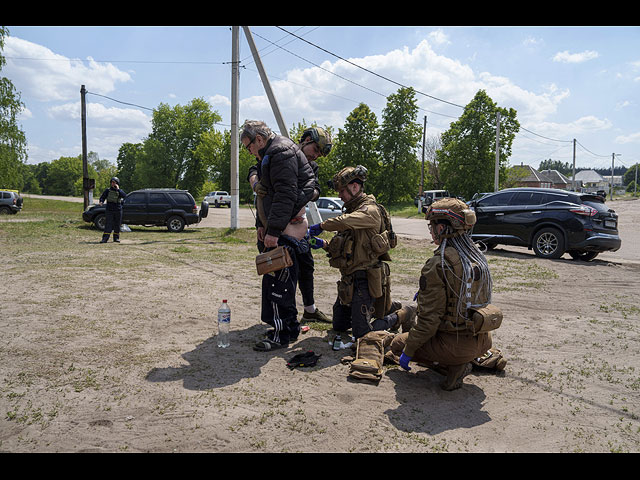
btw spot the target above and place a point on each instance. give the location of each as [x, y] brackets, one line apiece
[113, 212]
[360, 251]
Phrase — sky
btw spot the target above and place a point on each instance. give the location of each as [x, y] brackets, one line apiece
[565, 83]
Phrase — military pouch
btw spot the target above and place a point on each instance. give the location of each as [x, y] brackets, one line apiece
[485, 319]
[345, 290]
[273, 260]
[370, 356]
[380, 242]
[375, 279]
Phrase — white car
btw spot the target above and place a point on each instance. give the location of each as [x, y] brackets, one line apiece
[218, 198]
[328, 207]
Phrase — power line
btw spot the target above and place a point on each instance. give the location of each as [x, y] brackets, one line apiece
[367, 70]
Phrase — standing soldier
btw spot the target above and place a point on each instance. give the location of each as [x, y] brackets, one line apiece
[360, 251]
[315, 142]
[113, 196]
[454, 283]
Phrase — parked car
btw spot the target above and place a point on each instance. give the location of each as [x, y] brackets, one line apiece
[218, 198]
[430, 196]
[549, 221]
[328, 207]
[10, 202]
[153, 207]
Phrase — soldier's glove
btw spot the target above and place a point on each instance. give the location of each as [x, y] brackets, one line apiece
[260, 190]
[316, 243]
[404, 361]
[315, 230]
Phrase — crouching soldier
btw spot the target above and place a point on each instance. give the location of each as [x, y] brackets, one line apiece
[360, 251]
[455, 315]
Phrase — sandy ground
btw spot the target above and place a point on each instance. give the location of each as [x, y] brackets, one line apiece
[99, 363]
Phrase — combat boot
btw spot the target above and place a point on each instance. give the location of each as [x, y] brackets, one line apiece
[316, 316]
[116, 238]
[406, 318]
[105, 238]
[455, 374]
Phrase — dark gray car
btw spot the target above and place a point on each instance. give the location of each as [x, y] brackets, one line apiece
[10, 202]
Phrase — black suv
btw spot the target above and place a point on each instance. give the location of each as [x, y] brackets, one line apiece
[153, 207]
[547, 220]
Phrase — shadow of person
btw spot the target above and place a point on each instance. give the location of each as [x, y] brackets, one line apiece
[209, 366]
[426, 408]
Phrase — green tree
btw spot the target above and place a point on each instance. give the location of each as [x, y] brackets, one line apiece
[128, 155]
[167, 158]
[467, 157]
[564, 168]
[64, 176]
[399, 175]
[13, 143]
[357, 143]
[630, 175]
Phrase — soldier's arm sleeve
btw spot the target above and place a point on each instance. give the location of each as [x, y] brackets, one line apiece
[432, 302]
[367, 216]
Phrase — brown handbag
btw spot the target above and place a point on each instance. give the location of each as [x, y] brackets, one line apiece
[273, 260]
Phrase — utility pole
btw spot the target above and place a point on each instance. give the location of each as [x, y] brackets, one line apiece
[635, 184]
[497, 173]
[613, 156]
[85, 168]
[235, 154]
[573, 182]
[265, 83]
[424, 136]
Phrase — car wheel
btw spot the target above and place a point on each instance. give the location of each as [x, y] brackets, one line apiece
[216, 204]
[5, 211]
[175, 224]
[585, 256]
[100, 221]
[548, 243]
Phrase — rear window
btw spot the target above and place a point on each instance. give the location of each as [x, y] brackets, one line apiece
[158, 198]
[182, 198]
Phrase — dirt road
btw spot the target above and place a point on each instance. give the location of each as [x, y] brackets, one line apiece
[112, 348]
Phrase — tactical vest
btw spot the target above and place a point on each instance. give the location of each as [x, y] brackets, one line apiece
[113, 196]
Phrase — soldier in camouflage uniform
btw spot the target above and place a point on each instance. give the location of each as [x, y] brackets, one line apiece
[360, 251]
[453, 282]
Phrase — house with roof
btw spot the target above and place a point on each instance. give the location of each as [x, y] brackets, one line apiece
[592, 181]
[527, 176]
[558, 180]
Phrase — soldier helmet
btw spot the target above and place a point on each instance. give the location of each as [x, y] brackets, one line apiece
[115, 179]
[348, 175]
[319, 136]
[458, 214]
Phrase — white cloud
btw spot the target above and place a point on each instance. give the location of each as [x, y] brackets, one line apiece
[40, 73]
[566, 57]
[632, 138]
[438, 37]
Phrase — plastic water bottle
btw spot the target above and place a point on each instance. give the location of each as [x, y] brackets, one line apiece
[224, 320]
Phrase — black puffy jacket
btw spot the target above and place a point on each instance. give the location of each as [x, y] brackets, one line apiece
[289, 179]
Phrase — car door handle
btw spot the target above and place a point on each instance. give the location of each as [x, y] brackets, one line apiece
[537, 211]
[499, 214]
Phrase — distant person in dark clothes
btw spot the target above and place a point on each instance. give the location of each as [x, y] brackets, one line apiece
[113, 196]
